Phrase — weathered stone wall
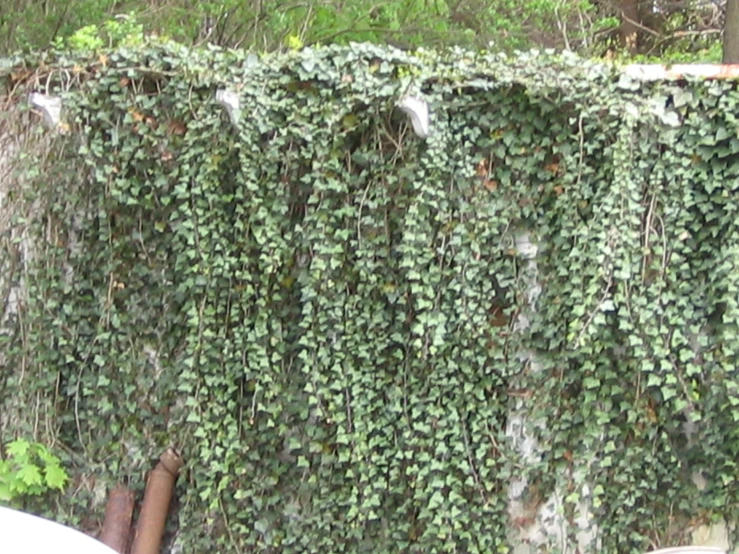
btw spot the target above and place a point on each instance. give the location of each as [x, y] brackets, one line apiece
[541, 530]
[17, 139]
[544, 528]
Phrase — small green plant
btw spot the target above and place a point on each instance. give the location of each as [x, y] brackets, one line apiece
[29, 469]
[123, 30]
[86, 38]
[294, 42]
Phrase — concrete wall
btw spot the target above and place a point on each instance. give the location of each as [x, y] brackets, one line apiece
[545, 529]
[542, 528]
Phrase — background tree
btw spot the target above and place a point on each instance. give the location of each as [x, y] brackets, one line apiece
[673, 30]
[731, 32]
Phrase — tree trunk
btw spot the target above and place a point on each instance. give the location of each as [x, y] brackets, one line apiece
[629, 30]
[731, 32]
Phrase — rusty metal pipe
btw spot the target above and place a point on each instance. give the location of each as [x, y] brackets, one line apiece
[158, 494]
[117, 524]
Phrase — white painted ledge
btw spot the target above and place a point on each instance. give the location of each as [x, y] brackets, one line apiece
[689, 550]
[659, 72]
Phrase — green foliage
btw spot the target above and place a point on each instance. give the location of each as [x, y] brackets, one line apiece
[86, 38]
[709, 52]
[679, 30]
[124, 31]
[325, 313]
[29, 469]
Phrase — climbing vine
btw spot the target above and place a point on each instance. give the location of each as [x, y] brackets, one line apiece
[334, 320]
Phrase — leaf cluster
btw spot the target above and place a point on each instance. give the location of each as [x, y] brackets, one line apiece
[29, 469]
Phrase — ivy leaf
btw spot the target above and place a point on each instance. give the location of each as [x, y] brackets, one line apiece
[722, 134]
[668, 393]
[436, 500]
[682, 97]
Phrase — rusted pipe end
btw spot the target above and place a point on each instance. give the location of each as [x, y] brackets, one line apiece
[153, 517]
[117, 523]
[171, 461]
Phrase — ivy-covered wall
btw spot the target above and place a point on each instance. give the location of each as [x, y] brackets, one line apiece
[522, 328]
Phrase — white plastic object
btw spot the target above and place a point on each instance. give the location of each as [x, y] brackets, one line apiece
[231, 101]
[50, 106]
[689, 550]
[418, 110]
[22, 533]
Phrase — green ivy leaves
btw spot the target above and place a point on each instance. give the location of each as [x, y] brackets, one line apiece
[332, 319]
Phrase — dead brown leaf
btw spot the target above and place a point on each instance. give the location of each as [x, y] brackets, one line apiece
[177, 127]
[482, 168]
[491, 185]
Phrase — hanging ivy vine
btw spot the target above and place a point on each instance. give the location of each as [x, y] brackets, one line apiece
[331, 318]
